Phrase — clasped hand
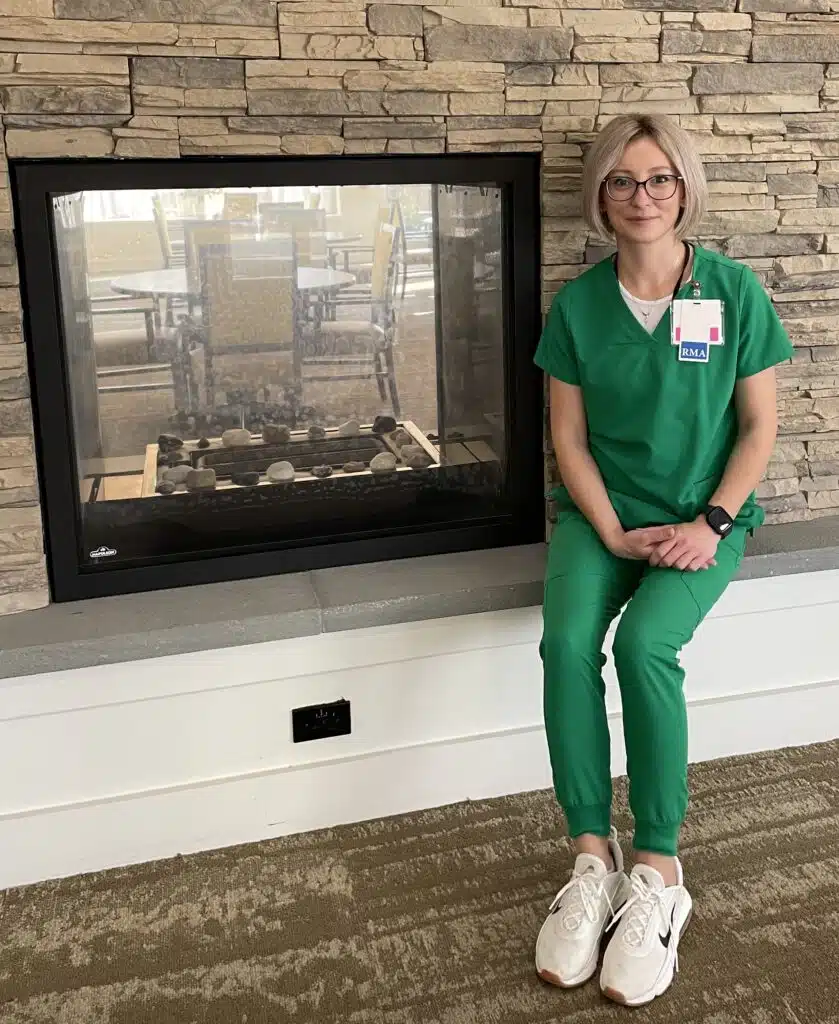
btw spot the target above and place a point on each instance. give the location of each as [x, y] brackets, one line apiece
[690, 546]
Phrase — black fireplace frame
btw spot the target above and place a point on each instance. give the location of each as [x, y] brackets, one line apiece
[35, 182]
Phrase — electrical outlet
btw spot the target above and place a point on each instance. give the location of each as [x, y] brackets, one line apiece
[318, 721]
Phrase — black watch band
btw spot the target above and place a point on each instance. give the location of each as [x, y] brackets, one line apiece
[719, 520]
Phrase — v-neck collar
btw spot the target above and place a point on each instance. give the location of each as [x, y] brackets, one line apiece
[630, 321]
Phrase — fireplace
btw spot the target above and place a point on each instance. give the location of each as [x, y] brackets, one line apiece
[255, 366]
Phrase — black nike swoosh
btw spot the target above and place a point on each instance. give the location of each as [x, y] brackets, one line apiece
[665, 939]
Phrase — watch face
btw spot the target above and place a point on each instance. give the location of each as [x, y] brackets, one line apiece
[719, 520]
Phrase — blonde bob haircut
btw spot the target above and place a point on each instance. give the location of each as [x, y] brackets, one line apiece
[605, 154]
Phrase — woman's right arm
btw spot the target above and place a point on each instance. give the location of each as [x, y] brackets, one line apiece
[577, 467]
[582, 478]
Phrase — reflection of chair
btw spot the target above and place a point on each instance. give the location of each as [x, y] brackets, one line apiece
[113, 306]
[364, 343]
[268, 206]
[361, 270]
[384, 250]
[248, 254]
[306, 232]
[419, 254]
[125, 331]
[199, 233]
[306, 227]
[239, 206]
[173, 254]
[248, 305]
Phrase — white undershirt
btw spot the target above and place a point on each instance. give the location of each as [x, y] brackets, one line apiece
[648, 312]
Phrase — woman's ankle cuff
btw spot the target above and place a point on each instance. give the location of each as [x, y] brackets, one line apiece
[657, 837]
[595, 819]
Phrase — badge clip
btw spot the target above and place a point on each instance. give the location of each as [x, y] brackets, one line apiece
[696, 289]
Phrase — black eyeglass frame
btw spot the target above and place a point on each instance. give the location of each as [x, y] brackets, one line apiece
[639, 184]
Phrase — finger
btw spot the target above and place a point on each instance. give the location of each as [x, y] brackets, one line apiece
[654, 556]
[697, 564]
[670, 559]
[656, 534]
[666, 549]
[683, 561]
[666, 546]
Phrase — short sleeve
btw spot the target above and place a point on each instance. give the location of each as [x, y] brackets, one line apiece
[555, 354]
[763, 341]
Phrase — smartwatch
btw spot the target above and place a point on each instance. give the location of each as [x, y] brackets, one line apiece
[719, 520]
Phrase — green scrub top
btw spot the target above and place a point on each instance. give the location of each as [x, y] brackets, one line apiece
[661, 431]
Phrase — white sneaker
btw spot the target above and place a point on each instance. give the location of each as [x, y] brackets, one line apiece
[568, 946]
[641, 958]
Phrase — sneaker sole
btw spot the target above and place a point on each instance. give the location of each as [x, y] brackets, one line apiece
[664, 981]
[557, 982]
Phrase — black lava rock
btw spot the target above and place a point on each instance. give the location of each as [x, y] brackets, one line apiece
[169, 442]
[317, 433]
[354, 467]
[248, 479]
[165, 487]
[203, 442]
[176, 458]
[384, 424]
[321, 471]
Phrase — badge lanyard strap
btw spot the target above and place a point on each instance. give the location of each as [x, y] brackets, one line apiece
[680, 283]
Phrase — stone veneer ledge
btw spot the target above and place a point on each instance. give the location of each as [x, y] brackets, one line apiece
[755, 81]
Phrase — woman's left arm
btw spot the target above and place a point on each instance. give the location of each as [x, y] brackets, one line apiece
[757, 428]
[695, 543]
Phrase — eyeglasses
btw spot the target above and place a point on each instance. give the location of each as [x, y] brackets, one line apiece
[622, 188]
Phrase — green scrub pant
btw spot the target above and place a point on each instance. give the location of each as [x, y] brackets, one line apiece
[585, 588]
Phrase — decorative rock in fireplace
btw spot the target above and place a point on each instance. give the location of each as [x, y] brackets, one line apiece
[250, 367]
[237, 459]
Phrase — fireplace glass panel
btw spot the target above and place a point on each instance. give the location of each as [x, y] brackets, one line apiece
[265, 367]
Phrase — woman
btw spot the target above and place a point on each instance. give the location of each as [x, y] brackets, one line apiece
[663, 420]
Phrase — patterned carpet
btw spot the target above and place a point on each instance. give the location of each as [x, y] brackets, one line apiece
[431, 918]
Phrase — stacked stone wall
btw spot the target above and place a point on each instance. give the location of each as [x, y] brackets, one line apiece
[756, 82]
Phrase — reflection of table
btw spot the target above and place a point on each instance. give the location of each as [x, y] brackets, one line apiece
[172, 283]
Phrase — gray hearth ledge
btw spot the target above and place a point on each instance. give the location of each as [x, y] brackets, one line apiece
[136, 626]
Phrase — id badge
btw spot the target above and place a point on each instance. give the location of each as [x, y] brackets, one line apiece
[696, 326]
